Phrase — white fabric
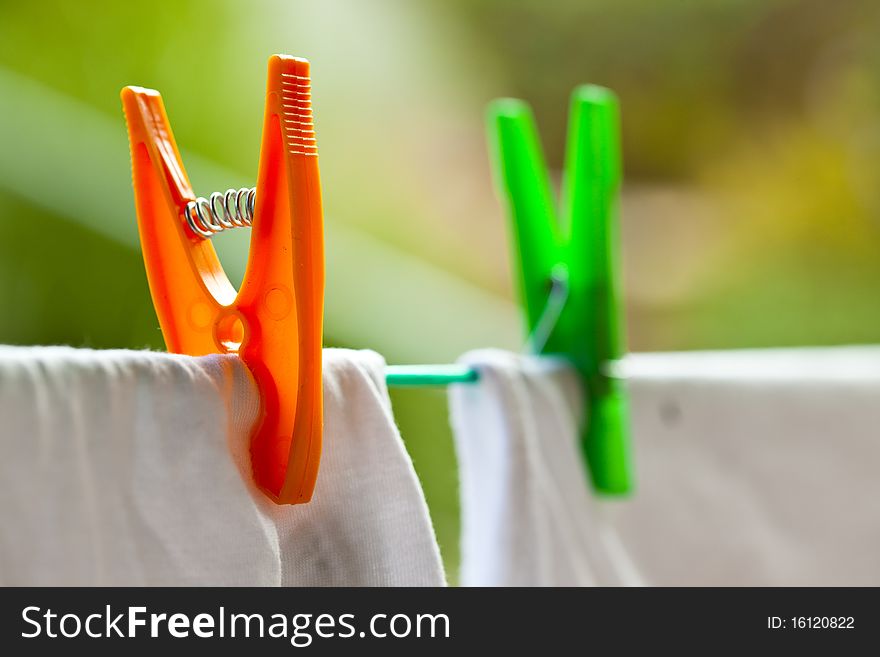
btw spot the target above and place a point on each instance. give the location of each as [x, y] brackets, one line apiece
[753, 468]
[528, 518]
[132, 468]
[756, 467]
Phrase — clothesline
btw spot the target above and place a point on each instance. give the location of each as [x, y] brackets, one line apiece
[429, 375]
[441, 375]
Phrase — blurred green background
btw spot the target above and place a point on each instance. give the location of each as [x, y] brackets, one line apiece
[751, 211]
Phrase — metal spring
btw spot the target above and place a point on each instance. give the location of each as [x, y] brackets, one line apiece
[233, 208]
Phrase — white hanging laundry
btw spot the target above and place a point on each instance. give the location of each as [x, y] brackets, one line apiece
[528, 518]
[132, 468]
[753, 468]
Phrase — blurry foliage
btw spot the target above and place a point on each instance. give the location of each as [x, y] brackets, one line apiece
[768, 111]
[751, 134]
[65, 285]
[692, 75]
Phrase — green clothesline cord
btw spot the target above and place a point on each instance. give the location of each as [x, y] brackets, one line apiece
[441, 375]
[429, 375]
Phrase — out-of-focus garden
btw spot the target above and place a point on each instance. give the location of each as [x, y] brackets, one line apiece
[751, 135]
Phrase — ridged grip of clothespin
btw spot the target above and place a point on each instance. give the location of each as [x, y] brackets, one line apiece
[283, 289]
[576, 244]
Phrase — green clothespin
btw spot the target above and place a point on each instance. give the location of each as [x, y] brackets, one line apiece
[576, 251]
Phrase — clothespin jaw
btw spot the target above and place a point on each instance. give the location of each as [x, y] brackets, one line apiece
[275, 322]
[573, 246]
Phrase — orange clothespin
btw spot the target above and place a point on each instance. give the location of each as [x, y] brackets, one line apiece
[274, 322]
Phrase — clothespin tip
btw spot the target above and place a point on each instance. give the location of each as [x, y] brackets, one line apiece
[508, 108]
[594, 93]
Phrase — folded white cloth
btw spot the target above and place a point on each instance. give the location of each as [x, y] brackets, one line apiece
[528, 518]
[132, 468]
[754, 468]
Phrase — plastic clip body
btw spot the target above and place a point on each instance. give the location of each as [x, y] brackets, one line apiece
[275, 321]
[577, 249]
